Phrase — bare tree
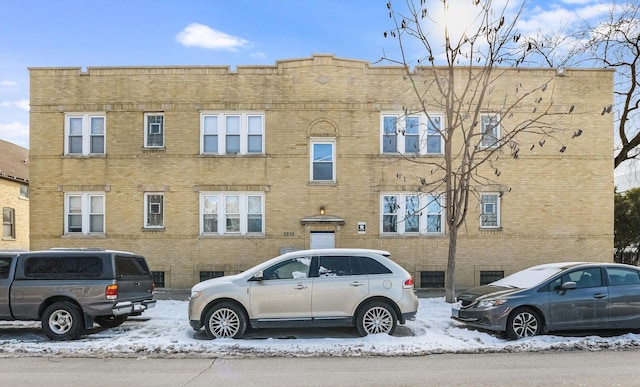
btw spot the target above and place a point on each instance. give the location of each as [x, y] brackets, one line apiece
[612, 42]
[461, 76]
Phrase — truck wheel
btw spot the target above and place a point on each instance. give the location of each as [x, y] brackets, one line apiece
[110, 321]
[62, 321]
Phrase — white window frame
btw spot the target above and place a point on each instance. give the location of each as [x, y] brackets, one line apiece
[8, 223]
[221, 211]
[86, 212]
[147, 129]
[86, 133]
[485, 119]
[245, 131]
[312, 161]
[150, 210]
[496, 210]
[423, 213]
[423, 133]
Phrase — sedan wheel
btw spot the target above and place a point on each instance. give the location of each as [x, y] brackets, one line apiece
[376, 317]
[523, 323]
[225, 320]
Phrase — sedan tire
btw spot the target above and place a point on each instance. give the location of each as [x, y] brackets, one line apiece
[376, 317]
[523, 322]
[225, 320]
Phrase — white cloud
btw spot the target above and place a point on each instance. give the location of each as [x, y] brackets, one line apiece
[8, 83]
[15, 132]
[21, 104]
[199, 35]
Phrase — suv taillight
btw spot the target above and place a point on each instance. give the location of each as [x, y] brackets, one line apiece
[408, 284]
[111, 292]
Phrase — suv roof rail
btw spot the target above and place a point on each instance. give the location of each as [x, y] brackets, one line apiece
[77, 249]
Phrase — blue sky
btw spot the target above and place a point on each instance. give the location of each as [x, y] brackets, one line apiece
[76, 33]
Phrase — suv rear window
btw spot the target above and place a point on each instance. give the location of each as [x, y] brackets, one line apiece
[366, 265]
[63, 267]
[131, 267]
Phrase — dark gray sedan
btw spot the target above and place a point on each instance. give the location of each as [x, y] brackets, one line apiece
[555, 297]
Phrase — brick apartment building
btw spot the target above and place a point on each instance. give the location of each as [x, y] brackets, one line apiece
[14, 196]
[208, 171]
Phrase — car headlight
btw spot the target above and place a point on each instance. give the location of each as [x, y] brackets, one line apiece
[489, 303]
[195, 294]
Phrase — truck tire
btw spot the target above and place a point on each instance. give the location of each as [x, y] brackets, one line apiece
[110, 321]
[63, 321]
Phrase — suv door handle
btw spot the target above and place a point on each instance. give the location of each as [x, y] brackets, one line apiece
[599, 295]
[356, 284]
[299, 287]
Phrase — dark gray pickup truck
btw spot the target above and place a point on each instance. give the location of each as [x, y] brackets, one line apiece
[70, 289]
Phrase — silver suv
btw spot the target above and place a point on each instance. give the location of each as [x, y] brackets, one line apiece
[309, 288]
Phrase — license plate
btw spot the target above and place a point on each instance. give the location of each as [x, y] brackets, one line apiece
[455, 312]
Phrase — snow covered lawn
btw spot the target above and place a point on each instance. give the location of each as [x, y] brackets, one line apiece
[164, 331]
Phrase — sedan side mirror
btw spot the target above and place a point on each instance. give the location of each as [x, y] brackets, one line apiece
[567, 286]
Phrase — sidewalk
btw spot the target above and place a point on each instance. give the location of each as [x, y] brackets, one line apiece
[183, 294]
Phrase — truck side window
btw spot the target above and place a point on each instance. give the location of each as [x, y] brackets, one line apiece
[5, 265]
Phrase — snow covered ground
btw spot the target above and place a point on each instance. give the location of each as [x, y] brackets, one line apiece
[164, 331]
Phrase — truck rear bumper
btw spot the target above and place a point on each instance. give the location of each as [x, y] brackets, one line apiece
[128, 307]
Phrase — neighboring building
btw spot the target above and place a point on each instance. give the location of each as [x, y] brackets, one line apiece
[14, 196]
[208, 171]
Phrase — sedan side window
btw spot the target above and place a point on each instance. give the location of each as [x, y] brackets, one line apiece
[584, 278]
[294, 268]
[621, 276]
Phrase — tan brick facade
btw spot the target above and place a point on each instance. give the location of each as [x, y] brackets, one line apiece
[555, 206]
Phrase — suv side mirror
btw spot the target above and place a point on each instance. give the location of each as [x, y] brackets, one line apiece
[259, 276]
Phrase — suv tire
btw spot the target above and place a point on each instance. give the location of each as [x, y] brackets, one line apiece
[63, 321]
[110, 321]
[225, 320]
[376, 317]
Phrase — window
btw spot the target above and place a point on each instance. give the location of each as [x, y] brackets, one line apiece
[24, 191]
[63, 267]
[232, 133]
[231, 213]
[153, 130]
[432, 279]
[422, 133]
[154, 210]
[412, 214]
[84, 213]
[490, 130]
[323, 166]
[584, 278]
[490, 210]
[295, 268]
[8, 223]
[622, 276]
[5, 266]
[84, 134]
[486, 277]
[158, 278]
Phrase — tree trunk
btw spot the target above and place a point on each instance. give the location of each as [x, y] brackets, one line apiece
[449, 279]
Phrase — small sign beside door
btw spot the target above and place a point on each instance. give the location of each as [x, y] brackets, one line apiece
[362, 228]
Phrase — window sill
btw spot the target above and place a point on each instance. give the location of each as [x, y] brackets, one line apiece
[153, 149]
[490, 230]
[153, 229]
[233, 236]
[323, 183]
[5, 238]
[83, 156]
[412, 155]
[410, 236]
[84, 236]
[231, 155]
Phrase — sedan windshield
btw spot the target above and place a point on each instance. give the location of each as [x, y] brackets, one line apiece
[529, 277]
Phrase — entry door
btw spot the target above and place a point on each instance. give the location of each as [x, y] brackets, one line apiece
[323, 240]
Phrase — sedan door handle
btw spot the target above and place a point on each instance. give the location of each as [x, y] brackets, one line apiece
[299, 287]
[599, 295]
[356, 284]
